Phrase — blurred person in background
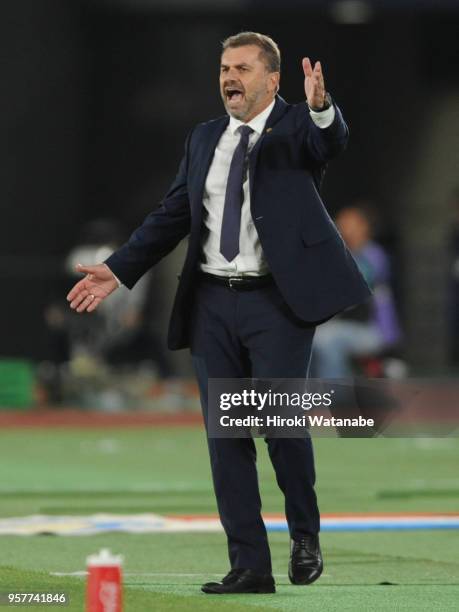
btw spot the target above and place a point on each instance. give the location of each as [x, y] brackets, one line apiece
[370, 328]
[264, 265]
[121, 332]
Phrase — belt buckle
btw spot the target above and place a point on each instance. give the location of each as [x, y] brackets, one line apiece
[232, 280]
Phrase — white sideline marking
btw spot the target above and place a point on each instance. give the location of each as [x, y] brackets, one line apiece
[179, 575]
[164, 574]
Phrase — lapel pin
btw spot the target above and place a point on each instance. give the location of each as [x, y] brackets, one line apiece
[269, 130]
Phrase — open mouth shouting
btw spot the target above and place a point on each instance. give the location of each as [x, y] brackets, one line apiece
[234, 94]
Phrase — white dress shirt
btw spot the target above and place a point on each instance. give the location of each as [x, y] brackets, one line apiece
[250, 260]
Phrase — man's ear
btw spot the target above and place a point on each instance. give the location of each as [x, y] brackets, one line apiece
[275, 78]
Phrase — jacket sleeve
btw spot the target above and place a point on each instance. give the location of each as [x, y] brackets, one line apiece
[159, 234]
[322, 144]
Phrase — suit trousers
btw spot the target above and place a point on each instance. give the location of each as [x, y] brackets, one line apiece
[244, 334]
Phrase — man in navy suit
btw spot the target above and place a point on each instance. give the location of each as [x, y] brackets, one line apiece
[265, 264]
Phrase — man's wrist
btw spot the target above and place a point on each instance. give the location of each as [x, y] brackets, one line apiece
[327, 103]
[116, 278]
[323, 119]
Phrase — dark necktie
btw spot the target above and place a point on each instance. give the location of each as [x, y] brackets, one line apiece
[231, 224]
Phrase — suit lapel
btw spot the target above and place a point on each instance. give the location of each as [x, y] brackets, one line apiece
[279, 110]
[205, 159]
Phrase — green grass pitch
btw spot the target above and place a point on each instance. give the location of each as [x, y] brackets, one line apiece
[165, 470]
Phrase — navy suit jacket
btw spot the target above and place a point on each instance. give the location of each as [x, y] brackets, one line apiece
[311, 266]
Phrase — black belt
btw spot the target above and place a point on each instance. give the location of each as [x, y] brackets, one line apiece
[238, 283]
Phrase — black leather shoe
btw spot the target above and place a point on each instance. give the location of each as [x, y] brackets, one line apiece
[306, 563]
[230, 577]
[241, 581]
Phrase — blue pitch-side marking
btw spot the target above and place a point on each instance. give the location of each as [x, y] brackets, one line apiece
[109, 525]
[377, 526]
[344, 526]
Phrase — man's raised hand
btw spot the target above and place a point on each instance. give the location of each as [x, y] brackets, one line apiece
[89, 292]
[314, 85]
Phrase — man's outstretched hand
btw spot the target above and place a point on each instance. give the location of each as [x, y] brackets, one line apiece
[314, 85]
[89, 292]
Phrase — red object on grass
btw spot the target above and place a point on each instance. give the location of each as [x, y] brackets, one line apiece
[104, 585]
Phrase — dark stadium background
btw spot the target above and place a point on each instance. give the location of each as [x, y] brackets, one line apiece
[98, 96]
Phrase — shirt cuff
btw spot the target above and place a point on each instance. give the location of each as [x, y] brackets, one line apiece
[116, 278]
[323, 119]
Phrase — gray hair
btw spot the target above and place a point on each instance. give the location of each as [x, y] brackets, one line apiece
[269, 50]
